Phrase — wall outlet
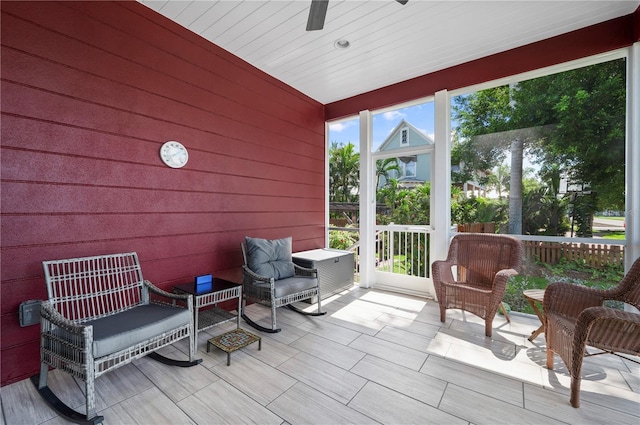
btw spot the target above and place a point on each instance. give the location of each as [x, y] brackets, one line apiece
[30, 313]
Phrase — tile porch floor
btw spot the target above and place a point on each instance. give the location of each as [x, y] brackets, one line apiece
[376, 357]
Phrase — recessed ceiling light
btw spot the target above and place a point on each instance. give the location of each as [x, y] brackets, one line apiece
[341, 44]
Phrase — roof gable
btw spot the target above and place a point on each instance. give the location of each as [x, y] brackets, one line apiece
[415, 137]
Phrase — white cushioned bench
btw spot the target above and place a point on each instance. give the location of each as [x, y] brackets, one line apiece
[101, 314]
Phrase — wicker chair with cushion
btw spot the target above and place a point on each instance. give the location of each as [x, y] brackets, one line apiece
[483, 262]
[100, 315]
[575, 317]
[271, 278]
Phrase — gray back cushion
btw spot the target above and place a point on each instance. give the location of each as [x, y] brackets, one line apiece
[270, 258]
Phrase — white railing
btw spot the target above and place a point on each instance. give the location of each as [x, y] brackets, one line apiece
[403, 249]
[399, 249]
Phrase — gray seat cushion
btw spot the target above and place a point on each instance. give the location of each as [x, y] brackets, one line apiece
[125, 329]
[291, 285]
[270, 258]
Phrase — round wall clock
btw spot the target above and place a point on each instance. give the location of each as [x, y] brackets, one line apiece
[174, 154]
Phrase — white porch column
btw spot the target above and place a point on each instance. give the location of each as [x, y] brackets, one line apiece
[367, 202]
[327, 173]
[632, 169]
[441, 191]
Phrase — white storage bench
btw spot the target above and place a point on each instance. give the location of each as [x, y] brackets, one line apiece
[335, 269]
[101, 314]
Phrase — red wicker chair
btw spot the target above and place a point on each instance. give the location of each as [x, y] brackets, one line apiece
[484, 263]
[575, 317]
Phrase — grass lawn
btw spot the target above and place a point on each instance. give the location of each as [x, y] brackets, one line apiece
[399, 263]
[538, 276]
[620, 236]
[609, 218]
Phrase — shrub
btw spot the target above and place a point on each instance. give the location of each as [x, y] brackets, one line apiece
[342, 239]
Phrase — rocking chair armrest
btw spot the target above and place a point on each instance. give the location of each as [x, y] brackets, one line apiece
[303, 271]
[186, 298]
[253, 276]
[64, 339]
[49, 314]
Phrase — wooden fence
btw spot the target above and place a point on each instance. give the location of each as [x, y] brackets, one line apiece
[592, 254]
[489, 227]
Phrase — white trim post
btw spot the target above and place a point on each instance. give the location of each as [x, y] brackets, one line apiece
[632, 168]
[632, 215]
[441, 189]
[367, 203]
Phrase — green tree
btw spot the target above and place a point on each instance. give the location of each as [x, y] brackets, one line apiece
[544, 212]
[584, 111]
[488, 113]
[384, 169]
[487, 130]
[406, 206]
[344, 173]
[389, 195]
[574, 119]
[501, 179]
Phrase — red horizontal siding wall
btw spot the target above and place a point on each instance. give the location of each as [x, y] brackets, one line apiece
[90, 91]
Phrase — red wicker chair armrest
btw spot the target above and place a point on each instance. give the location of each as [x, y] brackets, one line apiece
[609, 329]
[442, 271]
[569, 299]
[501, 278]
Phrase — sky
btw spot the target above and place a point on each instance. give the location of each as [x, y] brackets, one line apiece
[420, 116]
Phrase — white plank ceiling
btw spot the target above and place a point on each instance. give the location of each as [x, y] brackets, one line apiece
[389, 42]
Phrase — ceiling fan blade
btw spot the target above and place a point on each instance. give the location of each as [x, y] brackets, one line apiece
[317, 13]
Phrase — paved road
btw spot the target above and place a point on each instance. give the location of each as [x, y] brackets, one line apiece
[608, 223]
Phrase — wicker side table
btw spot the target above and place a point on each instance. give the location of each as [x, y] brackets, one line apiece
[204, 318]
[232, 341]
[535, 297]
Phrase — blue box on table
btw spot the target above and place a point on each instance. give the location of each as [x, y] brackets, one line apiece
[204, 283]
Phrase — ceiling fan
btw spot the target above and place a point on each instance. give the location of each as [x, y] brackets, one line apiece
[318, 12]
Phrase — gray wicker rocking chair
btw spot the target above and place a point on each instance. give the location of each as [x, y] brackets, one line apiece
[100, 315]
[271, 278]
[576, 318]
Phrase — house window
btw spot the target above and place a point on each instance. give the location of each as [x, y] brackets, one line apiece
[408, 166]
[404, 137]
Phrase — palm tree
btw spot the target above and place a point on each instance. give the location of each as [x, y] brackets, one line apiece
[344, 173]
[515, 187]
[384, 167]
[500, 179]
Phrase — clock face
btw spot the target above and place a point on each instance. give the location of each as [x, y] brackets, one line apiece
[174, 154]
